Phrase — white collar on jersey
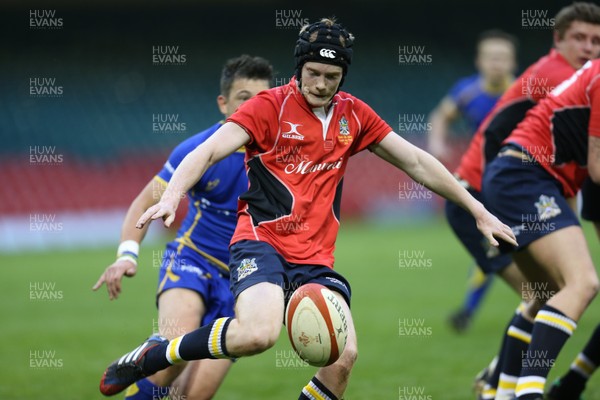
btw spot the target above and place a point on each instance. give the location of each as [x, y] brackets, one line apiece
[324, 118]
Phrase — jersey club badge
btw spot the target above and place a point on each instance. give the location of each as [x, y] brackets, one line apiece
[344, 137]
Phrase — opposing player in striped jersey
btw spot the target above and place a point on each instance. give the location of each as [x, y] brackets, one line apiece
[298, 140]
[543, 162]
[576, 40]
[193, 284]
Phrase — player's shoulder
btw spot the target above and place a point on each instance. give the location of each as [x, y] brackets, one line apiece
[467, 88]
[346, 97]
[195, 140]
[467, 82]
[592, 67]
[345, 100]
[552, 66]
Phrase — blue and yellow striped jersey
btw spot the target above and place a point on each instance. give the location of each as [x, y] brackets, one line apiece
[211, 217]
[473, 101]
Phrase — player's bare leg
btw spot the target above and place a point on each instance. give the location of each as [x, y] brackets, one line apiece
[513, 276]
[256, 328]
[564, 257]
[335, 377]
[180, 312]
[200, 379]
[258, 319]
[567, 262]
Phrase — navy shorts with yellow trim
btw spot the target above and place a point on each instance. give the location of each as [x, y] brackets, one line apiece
[254, 262]
[527, 198]
[188, 269]
[488, 257]
[590, 196]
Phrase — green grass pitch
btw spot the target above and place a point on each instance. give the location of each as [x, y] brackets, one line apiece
[57, 348]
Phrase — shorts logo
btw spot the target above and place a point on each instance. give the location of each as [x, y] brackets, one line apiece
[547, 207]
[336, 281]
[247, 266]
[327, 53]
[344, 137]
[293, 132]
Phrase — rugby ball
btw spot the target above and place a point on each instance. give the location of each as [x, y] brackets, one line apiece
[316, 324]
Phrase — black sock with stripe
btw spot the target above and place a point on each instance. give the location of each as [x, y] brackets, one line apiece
[316, 390]
[583, 366]
[550, 332]
[205, 342]
[518, 337]
[491, 384]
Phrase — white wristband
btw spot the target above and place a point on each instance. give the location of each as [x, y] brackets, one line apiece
[129, 258]
[128, 248]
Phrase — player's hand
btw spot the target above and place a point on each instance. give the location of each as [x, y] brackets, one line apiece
[162, 209]
[492, 228]
[112, 277]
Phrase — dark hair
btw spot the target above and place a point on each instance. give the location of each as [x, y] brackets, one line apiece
[244, 66]
[497, 34]
[584, 12]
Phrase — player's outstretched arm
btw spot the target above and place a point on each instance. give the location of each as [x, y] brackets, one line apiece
[425, 169]
[227, 139]
[126, 264]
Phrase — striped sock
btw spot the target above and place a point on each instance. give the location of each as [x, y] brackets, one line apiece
[518, 336]
[489, 390]
[205, 342]
[583, 366]
[550, 332]
[315, 390]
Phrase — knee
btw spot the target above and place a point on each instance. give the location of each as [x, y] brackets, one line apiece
[261, 338]
[347, 360]
[592, 285]
[586, 287]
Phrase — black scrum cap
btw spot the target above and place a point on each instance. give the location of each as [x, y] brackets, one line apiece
[326, 48]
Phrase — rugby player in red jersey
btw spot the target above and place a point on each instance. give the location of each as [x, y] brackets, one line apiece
[542, 163]
[576, 40]
[298, 140]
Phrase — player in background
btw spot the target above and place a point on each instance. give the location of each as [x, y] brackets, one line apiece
[193, 284]
[576, 40]
[471, 99]
[542, 163]
[298, 140]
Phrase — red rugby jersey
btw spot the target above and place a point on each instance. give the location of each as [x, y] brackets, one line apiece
[295, 163]
[533, 85]
[556, 131]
